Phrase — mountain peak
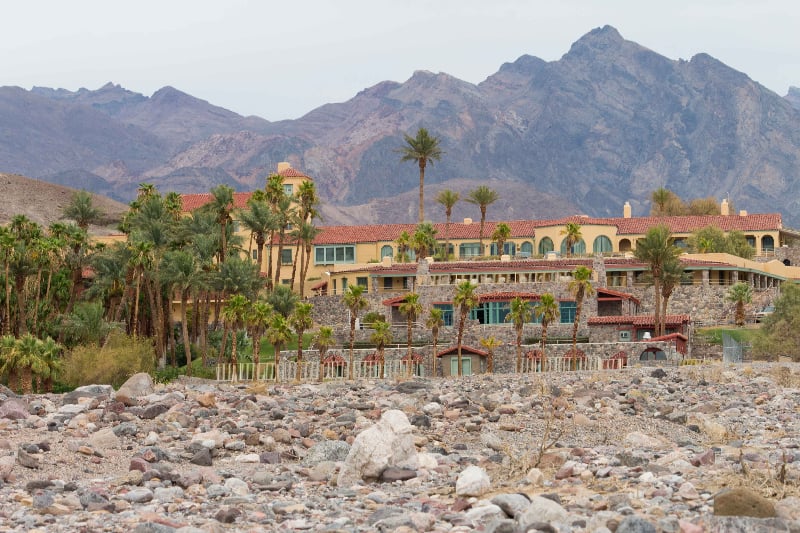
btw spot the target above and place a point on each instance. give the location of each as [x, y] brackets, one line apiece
[598, 40]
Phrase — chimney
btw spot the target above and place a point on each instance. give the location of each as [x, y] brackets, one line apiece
[626, 210]
[467, 221]
[724, 210]
[742, 213]
[283, 165]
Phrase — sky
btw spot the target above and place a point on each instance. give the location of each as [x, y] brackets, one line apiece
[280, 60]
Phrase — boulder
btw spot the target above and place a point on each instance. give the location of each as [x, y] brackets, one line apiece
[387, 443]
[137, 386]
[473, 481]
[742, 502]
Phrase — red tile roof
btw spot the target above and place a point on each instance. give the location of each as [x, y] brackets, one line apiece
[390, 232]
[637, 320]
[464, 350]
[677, 224]
[506, 296]
[292, 173]
[618, 294]
[195, 201]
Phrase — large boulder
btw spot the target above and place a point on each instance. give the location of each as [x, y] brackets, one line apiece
[389, 443]
[137, 386]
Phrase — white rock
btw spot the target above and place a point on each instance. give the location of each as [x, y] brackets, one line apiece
[105, 439]
[151, 439]
[473, 481]
[535, 477]
[636, 439]
[390, 442]
[248, 458]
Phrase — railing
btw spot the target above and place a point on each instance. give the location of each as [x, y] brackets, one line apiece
[393, 369]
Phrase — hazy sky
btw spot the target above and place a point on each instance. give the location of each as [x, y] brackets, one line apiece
[280, 60]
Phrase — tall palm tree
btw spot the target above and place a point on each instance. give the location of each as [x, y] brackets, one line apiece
[580, 286]
[465, 299]
[672, 276]
[182, 272]
[547, 312]
[300, 320]
[258, 319]
[304, 233]
[233, 313]
[260, 221]
[274, 194]
[422, 149]
[660, 199]
[490, 343]
[29, 361]
[501, 233]
[520, 314]
[448, 199]
[434, 322]
[656, 249]
[307, 210]
[278, 334]
[411, 308]
[573, 235]
[7, 248]
[283, 300]
[81, 210]
[323, 340]
[381, 336]
[355, 302]
[741, 294]
[403, 246]
[483, 197]
[221, 205]
[284, 215]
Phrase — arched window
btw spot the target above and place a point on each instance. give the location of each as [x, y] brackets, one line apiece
[767, 243]
[546, 245]
[509, 248]
[579, 248]
[526, 248]
[602, 245]
[625, 245]
[387, 251]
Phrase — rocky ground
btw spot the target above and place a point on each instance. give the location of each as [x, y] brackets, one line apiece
[688, 449]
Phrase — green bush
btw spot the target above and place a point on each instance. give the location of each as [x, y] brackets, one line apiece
[112, 364]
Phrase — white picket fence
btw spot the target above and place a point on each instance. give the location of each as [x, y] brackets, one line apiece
[393, 369]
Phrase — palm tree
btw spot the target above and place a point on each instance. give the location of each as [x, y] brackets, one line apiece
[483, 197]
[284, 215]
[81, 210]
[381, 337]
[448, 199]
[403, 245]
[741, 294]
[308, 203]
[258, 318]
[434, 322]
[233, 313]
[547, 311]
[661, 198]
[221, 205]
[323, 340]
[573, 236]
[182, 272]
[520, 314]
[500, 235]
[464, 300]
[29, 361]
[580, 286]
[86, 325]
[300, 320]
[283, 300]
[411, 309]
[424, 240]
[304, 233]
[672, 276]
[354, 301]
[656, 249]
[490, 343]
[422, 149]
[259, 219]
[278, 334]
[7, 248]
[9, 354]
[274, 194]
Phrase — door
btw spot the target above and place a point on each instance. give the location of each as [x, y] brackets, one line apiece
[466, 366]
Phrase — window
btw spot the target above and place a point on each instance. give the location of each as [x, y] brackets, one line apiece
[509, 248]
[287, 281]
[602, 245]
[469, 249]
[490, 312]
[466, 366]
[387, 251]
[344, 284]
[362, 281]
[388, 284]
[579, 248]
[236, 226]
[329, 255]
[440, 255]
[680, 242]
[286, 256]
[288, 189]
[255, 255]
[767, 243]
[447, 313]
[751, 241]
[526, 249]
[567, 310]
[546, 245]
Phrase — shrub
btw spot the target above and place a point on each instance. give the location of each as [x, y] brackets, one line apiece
[112, 364]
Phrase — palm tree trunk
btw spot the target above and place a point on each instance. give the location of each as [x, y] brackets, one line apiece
[433, 358]
[447, 237]
[461, 322]
[234, 360]
[256, 355]
[352, 342]
[137, 294]
[37, 289]
[187, 349]
[7, 321]
[294, 263]
[519, 350]
[298, 372]
[269, 262]
[280, 259]
[422, 190]
[22, 323]
[544, 344]
[483, 220]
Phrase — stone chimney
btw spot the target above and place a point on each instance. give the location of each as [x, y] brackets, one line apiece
[467, 221]
[724, 210]
[742, 213]
[626, 210]
[283, 165]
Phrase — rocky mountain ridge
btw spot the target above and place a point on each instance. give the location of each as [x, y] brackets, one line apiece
[608, 122]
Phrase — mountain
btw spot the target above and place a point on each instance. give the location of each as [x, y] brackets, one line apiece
[608, 122]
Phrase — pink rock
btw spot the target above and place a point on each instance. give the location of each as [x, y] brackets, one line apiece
[137, 463]
[706, 458]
